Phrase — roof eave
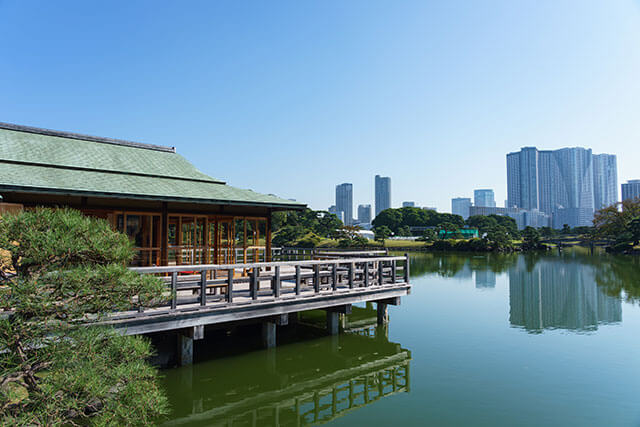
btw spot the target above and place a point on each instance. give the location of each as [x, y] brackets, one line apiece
[63, 192]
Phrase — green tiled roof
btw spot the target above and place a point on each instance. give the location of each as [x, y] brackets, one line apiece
[41, 160]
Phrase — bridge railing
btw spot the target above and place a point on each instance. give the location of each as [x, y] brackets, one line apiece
[245, 283]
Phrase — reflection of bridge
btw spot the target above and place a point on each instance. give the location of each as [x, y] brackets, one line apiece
[298, 391]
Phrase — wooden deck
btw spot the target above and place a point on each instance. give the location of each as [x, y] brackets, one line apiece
[211, 294]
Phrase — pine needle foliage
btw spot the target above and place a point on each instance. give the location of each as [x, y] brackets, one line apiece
[61, 269]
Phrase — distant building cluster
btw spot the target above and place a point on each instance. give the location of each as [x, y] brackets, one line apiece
[568, 185]
[631, 189]
[343, 208]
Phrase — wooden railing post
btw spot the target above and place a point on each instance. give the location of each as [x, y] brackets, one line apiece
[316, 278]
[297, 280]
[254, 283]
[230, 285]
[334, 277]
[203, 287]
[406, 268]
[381, 272]
[174, 290]
[394, 269]
[366, 274]
[352, 268]
[276, 282]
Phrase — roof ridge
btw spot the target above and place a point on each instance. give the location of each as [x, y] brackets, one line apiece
[49, 165]
[83, 137]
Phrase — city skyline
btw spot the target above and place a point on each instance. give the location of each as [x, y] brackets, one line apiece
[569, 184]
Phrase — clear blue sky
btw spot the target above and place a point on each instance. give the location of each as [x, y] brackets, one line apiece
[294, 97]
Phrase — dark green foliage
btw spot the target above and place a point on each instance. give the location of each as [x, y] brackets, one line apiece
[530, 238]
[397, 219]
[68, 268]
[429, 235]
[288, 235]
[321, 223]
[634, 230]
[309, 240]
[482, 223]
[619, 223]
[381, 233]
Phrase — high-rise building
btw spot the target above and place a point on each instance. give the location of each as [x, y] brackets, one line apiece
[364, 214]
[408, 204]
[631, 189]
[460, 206]
[484, 198]
[383, 193]
[344, 201]
[605, 180]
[568, 184]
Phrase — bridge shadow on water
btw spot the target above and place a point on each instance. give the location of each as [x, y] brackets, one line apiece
[309, 378]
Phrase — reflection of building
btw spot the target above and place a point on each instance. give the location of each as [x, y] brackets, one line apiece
[289, 386]
[558, 293]
[485, 279]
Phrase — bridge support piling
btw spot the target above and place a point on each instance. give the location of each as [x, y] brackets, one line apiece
[185, 343]
[269, 334]
[333, 322]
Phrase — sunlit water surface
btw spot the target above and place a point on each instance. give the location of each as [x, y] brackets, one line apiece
[506, 340]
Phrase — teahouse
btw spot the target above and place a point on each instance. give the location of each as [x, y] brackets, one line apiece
[175, 214]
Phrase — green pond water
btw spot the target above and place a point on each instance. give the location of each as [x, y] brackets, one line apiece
[495, 340]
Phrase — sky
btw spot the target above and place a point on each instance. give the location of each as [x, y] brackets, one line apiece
[295, 97]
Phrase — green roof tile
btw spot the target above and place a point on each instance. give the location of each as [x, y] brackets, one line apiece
[31, 161]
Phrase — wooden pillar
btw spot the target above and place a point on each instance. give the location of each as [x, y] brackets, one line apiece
[268, 237]
[185, 349]
[164, 221]
[269, 334]
[333, 322]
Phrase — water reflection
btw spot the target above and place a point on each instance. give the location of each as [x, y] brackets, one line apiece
[556, 293]
[574, 291]
[308, 382]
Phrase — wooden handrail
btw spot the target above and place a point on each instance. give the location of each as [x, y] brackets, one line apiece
[211, 267]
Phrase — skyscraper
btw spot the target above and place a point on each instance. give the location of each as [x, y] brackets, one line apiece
[631, 189]
[383, 193]
[484, 198]
[568, 183]
[605, 180]
[460, 206]
[364, 214]
[344, 201]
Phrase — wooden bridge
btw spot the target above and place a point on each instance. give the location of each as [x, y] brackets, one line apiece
[266, 292]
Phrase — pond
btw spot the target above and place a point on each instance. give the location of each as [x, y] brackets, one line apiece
[483, 339]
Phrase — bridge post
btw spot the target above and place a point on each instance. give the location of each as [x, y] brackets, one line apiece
[333, 322]
[269, 334]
